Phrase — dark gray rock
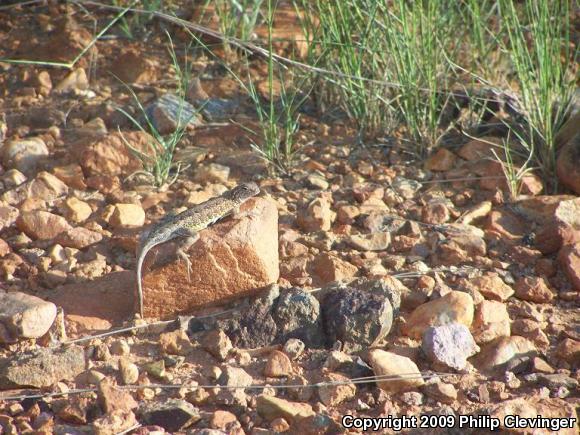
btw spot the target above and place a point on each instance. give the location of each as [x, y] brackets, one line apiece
[218, 109]
[42, 367]
[356, 317]
[169, 111]
[449, 344]
[172, 415]
[380, 287]
[254, 327]
[297, 315]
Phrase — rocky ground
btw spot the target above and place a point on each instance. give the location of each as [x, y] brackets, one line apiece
[362, 262]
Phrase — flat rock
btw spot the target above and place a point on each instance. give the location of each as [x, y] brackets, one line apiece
[78, 237]
[42, 225]
[235, 258]
[42, 368]
[403, 372]
[172, 415]
[355, 317]
[25, 316]
[378, 241]
[454, 307]
[96, 305]
[450, 344]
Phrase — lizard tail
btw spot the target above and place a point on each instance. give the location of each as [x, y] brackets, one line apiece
[139, 285]
[143, 250]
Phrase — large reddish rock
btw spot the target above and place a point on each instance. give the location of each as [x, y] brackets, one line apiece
[231, 259]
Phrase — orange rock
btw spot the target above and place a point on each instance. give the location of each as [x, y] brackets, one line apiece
[330, 268]
[278, 365]
[132, 67]
[506, 224]
[491, 286]
[455, 306]
[442, 160]
[72, 175]
[232, 259]
[568, 164]
[534, 289]
[110, 155]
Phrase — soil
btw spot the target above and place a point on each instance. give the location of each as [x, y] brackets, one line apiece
[74, 200]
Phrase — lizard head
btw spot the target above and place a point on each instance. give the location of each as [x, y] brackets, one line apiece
[243, 191]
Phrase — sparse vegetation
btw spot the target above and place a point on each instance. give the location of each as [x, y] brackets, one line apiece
[134, 23]
[539, 46]
[159, 163]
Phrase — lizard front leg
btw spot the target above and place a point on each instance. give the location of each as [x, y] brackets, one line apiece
[184, 246]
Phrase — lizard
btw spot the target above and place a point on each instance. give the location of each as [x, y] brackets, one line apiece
[187, 225]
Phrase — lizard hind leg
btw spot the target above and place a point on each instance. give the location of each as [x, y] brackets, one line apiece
[182, 252]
